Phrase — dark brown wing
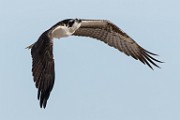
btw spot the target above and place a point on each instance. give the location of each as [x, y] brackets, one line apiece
[112, 35]
[43, 67]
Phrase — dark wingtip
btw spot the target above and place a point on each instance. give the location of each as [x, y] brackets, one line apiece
[43, 102]
[43, 98]
[149, 59]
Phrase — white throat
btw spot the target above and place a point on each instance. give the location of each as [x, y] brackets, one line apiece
[64, 31]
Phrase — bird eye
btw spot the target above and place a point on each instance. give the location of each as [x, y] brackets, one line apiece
[70, 23]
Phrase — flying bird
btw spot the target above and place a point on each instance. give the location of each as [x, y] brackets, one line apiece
[42, 50]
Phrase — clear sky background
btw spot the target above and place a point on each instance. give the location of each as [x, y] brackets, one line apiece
[93, 81]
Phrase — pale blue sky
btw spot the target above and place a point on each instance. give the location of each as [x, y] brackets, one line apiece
[93, 80]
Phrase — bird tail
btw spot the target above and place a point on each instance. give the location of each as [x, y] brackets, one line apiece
[30, 46]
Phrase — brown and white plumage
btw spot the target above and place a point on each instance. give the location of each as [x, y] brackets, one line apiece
[42, 50]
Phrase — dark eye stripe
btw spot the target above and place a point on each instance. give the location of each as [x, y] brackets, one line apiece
[71, 22]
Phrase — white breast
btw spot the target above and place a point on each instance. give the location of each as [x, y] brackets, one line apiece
[60, 31]
[64, 31]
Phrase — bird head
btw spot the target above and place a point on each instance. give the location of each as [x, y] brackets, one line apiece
[71, 22]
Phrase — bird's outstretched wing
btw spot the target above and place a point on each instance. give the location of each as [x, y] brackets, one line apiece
[112, 35]
[43, 67]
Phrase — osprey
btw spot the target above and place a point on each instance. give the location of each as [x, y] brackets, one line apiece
[42, 51]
